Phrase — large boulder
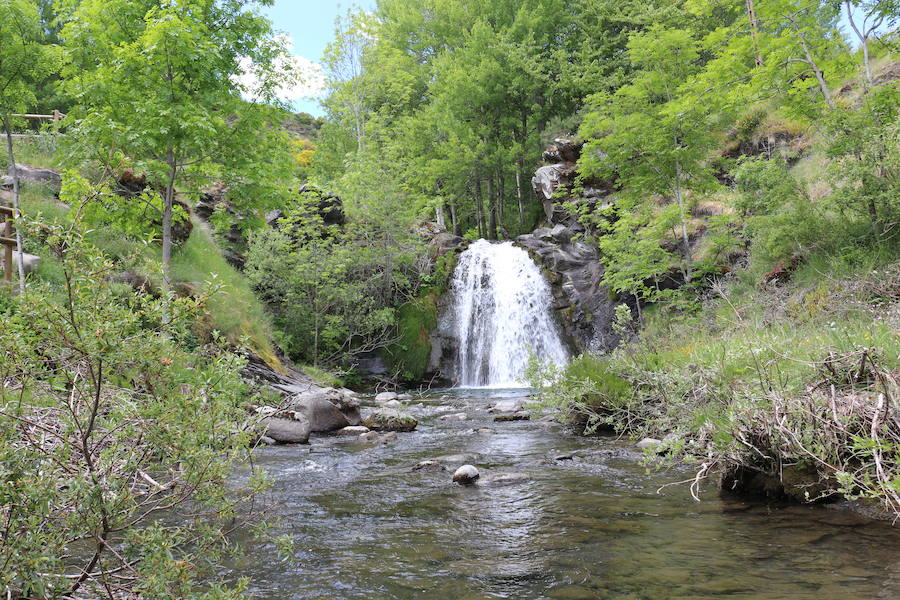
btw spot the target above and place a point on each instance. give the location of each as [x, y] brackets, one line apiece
[388, 419]
[287, 428]
[326, 410]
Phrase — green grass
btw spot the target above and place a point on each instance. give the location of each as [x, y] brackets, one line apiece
[38, 151]
[233, 310]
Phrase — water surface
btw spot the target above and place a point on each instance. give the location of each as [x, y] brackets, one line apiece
[589, 523]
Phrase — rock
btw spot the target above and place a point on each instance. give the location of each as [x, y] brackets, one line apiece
[386, 396]
[393, 404]
[31, 262]
[516, 416]
[267, 441]
[287, 428]
[466, 475]
[585, 306]
[430, 466]
[6, 182]
[485, 430]
[456, 458]
[649, 442]
[405, 397]
[39, 175]
[390, 420]
[442, 243]
[374, 437]
[352, 430]
[564, 457]
[501, 479]
[327, 409]
[512, 405]
[563, 150]
[456, 416]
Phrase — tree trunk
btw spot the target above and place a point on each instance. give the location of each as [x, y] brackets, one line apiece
[14, 172]
[754, 30]
[168, 206]
[492, 209]
[453, 220]
[864, 42]
[479, 209]
[684, 233]
[820, 75]
[501, 197]
[439, 215]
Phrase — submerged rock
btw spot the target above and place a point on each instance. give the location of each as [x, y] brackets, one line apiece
[387, 419]
[501, 479]
[516, 416]
[373, 437]
[429, 465]
[465, 475]
[353, 430]
[455, 416]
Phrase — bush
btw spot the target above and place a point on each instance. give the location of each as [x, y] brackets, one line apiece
[116, 443]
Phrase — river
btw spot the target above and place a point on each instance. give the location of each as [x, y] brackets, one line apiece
[590, 523]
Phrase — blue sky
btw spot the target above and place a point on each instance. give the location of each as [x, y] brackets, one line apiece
[310, 23]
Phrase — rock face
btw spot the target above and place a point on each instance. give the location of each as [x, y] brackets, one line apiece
[388, 419]
[574, 271]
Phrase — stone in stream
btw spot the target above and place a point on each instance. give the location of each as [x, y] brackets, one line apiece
[516, 416]
[430, 466]
[466, 475]
[267, 441]
[352, 430]
[393, 404]
[386, 396]
[648, 442]
[326, 410]
[387, 419]
[455, 416]
[286, 428]
[485, 430]
[508, 406]
[374, 437]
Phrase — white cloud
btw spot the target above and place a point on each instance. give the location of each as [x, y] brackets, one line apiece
[298, 77]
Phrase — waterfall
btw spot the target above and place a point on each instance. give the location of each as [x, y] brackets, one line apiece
[501, 313]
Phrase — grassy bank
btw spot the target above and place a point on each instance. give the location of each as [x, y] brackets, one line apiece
[786, 390]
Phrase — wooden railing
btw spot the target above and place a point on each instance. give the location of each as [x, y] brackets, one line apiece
[8, 240]
[56, 116]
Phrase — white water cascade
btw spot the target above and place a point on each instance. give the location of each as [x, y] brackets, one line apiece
[501, 311]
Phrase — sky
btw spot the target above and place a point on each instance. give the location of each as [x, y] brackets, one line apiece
[310, 25]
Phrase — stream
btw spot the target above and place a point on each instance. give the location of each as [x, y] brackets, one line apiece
[588, 524]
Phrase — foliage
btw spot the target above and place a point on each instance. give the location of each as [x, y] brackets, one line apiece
[157, 89]
[109, 424]
[332, 288]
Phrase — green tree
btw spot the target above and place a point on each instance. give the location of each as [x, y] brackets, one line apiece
[653, 135]
[24, 61]
[157, 89]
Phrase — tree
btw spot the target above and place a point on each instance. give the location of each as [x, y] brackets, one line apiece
[23, 62]
[157, 89]
[653, 134]
[875, 13]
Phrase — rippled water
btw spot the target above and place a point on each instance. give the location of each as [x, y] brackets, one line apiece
[366, 526]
